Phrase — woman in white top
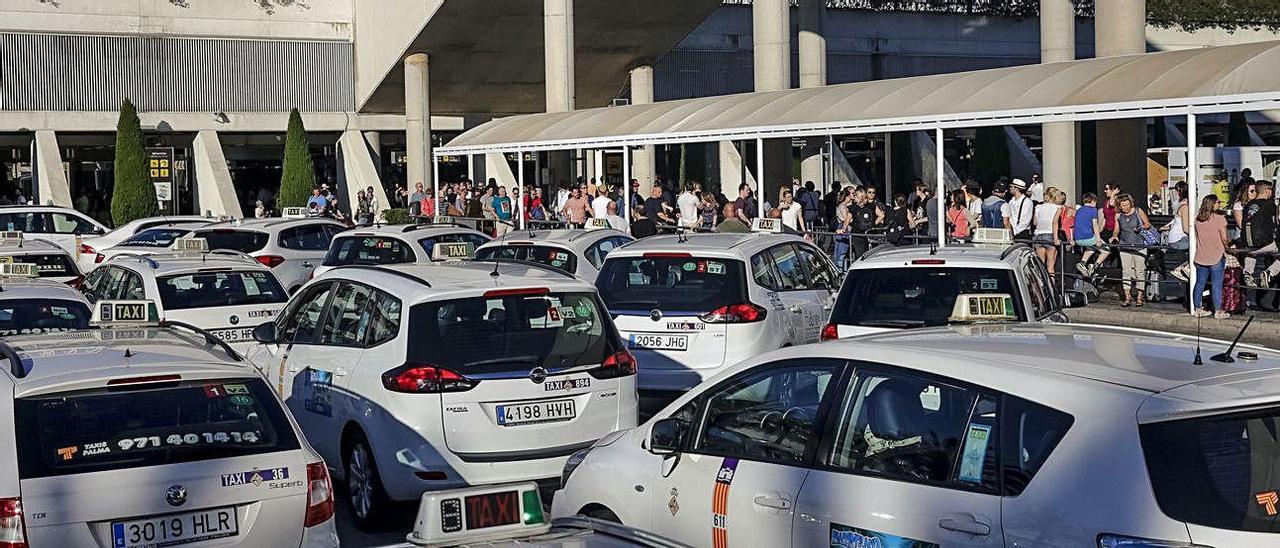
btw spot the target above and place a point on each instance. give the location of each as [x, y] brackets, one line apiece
[1177, 235]
[792, 213]
[1045, 220]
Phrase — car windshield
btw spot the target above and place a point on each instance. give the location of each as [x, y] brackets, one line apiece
[689, 284]
[244, 241]
[156, 237]
[19, 316]
[219, 288]
[368, 250]
[1217, 471]
[514, 332]
[554, 257]
[162, 423]
[916, 296]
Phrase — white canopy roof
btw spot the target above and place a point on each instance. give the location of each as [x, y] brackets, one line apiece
[1244, 77]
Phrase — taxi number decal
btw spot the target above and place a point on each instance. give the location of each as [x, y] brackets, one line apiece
[720, 503]
[845, 536]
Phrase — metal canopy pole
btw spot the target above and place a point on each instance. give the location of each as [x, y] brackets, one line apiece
[1193, 179]
[435, 186]
[520, 181]
[940, 168]
[760, 177]
[831, 164]
[626, 186]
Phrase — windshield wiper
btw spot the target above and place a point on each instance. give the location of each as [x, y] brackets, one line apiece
[892, 323]
[510, 359]
[651, 304]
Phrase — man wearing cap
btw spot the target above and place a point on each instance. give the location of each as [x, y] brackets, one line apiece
[1021, 210]
[995, 211]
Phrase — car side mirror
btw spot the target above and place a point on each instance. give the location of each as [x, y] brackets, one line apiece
[666, 436]
[99, 231]
[265, 333]
[1075, 299]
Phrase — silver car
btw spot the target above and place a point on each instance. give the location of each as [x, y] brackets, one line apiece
[291, 248]
[149, 436]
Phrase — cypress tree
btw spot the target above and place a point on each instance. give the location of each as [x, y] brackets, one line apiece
[298, 176]
[132, 197]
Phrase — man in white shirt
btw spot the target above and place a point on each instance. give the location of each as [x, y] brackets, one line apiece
[1021, 210]
[615, 221]
[1036, 189]
[562, 197]
[973, 200]
[687, 202]
[600, 205]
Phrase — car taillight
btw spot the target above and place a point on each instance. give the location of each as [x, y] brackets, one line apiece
[271, 261]
[13, 529]
[830, 332]
[425, 379]
[86, 249]
[319, 495]
[76, 282]
[618, 364]
[99, 258]
[735, 313]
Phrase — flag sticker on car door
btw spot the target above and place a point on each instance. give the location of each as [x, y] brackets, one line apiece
[720, 503]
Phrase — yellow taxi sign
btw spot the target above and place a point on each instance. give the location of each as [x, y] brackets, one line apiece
[760, 224]
[992, 236]
[195, 245]
[293, 212]
[983, 307]
[11, 237]
[478, 514]
[452, 251]
[23, 270]
[125, 312]
[597, 223]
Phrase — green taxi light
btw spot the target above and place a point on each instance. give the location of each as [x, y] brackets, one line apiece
[532, 508]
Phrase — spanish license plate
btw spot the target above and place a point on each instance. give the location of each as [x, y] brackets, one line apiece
[659, 342]
[514, 414]
[174, 529]
[234, 335]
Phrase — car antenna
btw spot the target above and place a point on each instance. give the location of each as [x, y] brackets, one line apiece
[1226, 357]
[1197, 360]
[494, 274]
[933, 247]
[128, 353]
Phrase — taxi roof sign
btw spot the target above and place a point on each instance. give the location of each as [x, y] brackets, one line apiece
[139, 312]
[992, 236]
[293, 212]
[760, 224]
[11, 237]
[597, 223]
[195, 245]
[23, 270]
[452, 251]
[971, 307]
[478, 514]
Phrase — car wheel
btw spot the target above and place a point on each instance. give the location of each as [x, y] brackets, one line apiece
[368, 500]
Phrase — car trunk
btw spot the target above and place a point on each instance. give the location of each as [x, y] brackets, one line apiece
[678, 341]
[229, 303]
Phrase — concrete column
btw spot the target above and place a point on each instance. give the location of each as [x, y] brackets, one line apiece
[557, 38]
[771, 44]
[642, 159]
[1058, 44]
[52, 185]
[360, 170]
[813, 73]
[1120, 28]
[373, 140]
[215, 191]
[417, 121]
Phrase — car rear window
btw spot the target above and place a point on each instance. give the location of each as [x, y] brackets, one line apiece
[918, 296]
[219, 288]
[48, 264]
[368, 250]
[1217, 471]
[156, 237]
[150, 425]
[511, 332]
[554, 257]
[244, 241]
[429, 244]
[689, 284]
[19, 316]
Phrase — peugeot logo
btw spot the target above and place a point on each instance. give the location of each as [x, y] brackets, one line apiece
[176, 495]
[537, 375]
[235, 319]
[655, 314]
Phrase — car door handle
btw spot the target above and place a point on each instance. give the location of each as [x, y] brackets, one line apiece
[340, 372]
[796, 309]
[306, 264]
[776, 503]
[965, 523]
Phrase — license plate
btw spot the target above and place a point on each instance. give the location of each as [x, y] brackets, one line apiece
[513, 414]
[659, 342]
[234, 335]
[174, 529]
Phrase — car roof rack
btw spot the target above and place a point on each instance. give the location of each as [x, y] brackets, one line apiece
[385, 270]
[209, 338]
[147, 258]
[15, 362]
[420, 226]
[523, 262]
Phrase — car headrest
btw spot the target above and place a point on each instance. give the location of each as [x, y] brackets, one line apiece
[894, 411]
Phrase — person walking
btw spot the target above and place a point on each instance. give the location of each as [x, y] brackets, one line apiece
[1131, 221]
[958, 216]
[1211, 257]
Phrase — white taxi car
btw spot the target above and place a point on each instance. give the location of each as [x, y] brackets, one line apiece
[36, 305]
[688, 306]
[396, 244]
[92, 246]
[157, 239]
[50, 260]
[148, 436]
[226, 293]
[918, 286]
[63, 226]
[580, 252]
[978, 435]
[410, 378]
[290, 247]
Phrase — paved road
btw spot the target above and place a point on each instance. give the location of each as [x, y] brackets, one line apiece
[399, 525]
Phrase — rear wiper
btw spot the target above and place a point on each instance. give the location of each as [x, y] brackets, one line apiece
[892, 323]
[652, 304]
[510, 359]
